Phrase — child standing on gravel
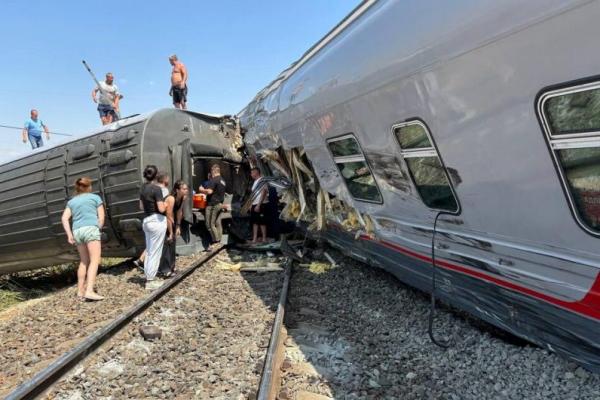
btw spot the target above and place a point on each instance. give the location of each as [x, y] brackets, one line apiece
[87, 212]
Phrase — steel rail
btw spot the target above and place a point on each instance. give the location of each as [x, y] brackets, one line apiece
[44, 379]
[267, 387]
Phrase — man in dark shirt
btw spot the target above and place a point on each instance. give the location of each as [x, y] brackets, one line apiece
[215, 195]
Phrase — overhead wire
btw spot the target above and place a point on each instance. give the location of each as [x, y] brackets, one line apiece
[16, 127]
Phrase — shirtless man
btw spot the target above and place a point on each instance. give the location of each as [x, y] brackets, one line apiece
[179, 78]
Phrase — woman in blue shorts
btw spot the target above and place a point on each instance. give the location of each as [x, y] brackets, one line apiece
[87, 212]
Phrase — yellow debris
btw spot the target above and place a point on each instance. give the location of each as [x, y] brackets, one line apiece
[317, 267]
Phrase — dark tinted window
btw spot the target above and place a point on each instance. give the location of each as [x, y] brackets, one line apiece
[354, 169]
[428, 173]
[360, 181]
[582, 172]
[577, 111]
[432, 183]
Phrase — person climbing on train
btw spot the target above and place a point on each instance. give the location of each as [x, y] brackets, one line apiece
[108, 101]
[33, 130]
[87, 211]
[215, 196]
[173, 201]
[154, 224]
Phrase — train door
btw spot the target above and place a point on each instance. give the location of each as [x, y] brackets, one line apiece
[119, 185]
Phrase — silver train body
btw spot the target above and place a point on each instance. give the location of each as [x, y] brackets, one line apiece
[34, 189]
[487, 111]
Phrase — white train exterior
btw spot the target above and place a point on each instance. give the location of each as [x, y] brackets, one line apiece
[486, 110]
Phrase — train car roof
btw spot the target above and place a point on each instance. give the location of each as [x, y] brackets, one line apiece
[130, 120]
[312, 51]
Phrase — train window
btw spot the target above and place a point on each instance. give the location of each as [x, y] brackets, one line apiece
[343, 147]
[413, 137]
[351, 162]
[571, 121]
[575, 112]
[425, 167]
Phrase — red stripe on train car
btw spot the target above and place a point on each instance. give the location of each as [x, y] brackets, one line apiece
[588, 306]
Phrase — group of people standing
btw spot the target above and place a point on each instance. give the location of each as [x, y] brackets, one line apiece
[107, 95]
[162, 223]
[163, 215]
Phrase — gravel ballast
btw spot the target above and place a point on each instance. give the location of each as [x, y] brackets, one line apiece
[356, 332]
[214, 331]
[38, 331]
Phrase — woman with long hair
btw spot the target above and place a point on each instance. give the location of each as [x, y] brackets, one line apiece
[154, 224]
[173, 201]
[87, 212]
[162, 180]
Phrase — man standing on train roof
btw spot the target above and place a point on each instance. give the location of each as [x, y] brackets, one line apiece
[33, 130]
[179, 77]
[108, 101]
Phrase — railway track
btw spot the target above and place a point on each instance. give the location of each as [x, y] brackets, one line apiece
[220, 337]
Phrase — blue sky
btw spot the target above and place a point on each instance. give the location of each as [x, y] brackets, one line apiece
[232, 49]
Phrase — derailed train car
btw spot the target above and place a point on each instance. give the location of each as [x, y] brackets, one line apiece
[464, 132]
[34, 189]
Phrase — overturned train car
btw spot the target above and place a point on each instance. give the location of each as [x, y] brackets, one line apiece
[34, 189]
[472, 139]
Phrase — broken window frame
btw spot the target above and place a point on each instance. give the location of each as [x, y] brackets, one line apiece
[424, 152]
[353, 158]
[556, 141]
